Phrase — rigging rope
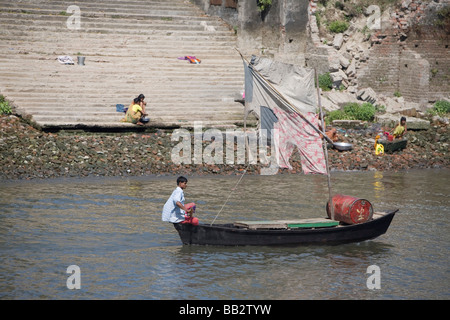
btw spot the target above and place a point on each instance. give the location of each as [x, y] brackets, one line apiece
[229, 195]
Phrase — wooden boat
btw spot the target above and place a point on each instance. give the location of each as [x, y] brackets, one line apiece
[353, 218]
[273, 233]
[394, 145]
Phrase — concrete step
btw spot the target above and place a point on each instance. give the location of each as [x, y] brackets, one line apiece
[113, 125]
[117, 26]
[168, 14]
[151, 39]
[38, 16]
[120, 28]
[151, 110]
[95, 117]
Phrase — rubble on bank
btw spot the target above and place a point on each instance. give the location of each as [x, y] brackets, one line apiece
[27, 153]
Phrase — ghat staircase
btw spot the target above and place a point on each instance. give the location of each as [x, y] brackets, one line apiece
[130, 47]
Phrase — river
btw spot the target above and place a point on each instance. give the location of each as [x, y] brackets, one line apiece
[111, 229]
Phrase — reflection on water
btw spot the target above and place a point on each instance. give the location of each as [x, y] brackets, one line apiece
[378, 185]
[112, 229]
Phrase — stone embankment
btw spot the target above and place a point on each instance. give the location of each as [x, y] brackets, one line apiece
[27, 153]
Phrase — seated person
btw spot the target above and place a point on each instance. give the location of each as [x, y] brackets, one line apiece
[400, 130]
[134, 113]
[175, 211]
[142, 103]
[332, 134]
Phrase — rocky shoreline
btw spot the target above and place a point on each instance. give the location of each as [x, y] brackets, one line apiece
[28, 153]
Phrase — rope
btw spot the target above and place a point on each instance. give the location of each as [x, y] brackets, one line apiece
[229, 195]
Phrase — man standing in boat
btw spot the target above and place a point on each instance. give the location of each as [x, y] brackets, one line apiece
[175, 211]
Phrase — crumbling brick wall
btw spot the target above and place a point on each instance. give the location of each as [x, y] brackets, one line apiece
[410, 56]
[433, 45]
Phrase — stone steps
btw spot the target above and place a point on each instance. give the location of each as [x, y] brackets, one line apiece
[130, 47]
[37, 18]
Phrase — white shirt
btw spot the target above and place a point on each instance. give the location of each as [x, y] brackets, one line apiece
[171, 212]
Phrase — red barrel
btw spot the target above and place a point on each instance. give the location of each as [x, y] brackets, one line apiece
[350, 210]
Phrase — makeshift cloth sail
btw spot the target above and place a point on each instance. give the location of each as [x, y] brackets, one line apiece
[287, 106]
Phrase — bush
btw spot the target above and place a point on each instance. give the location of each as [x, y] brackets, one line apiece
[364, 112]
[353, 111]
[264, 4]
[339, 5]
[336, 115]
[325, 82]
[5, 108]
[338, 26]
[440, 108]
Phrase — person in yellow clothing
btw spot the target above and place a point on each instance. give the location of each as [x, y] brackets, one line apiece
[400, 129]
[134, 113]
[379, 148]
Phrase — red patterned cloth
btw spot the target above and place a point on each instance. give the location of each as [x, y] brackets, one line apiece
[293, 131]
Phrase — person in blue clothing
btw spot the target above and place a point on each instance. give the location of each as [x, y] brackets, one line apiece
[174, 210]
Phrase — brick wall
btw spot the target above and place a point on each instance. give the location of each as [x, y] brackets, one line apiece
[412, 57]
[433, 46]
[381, 71]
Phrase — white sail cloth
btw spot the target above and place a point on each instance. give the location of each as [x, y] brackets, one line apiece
[294, 83]
[289, 92]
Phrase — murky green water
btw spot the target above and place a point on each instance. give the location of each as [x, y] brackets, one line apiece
[112, 229]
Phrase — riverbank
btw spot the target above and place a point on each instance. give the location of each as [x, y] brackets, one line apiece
[28, 153]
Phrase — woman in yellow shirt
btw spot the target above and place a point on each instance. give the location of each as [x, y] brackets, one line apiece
[134, 113]
[400, 130]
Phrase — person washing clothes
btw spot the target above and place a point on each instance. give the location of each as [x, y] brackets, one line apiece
[174, 210]
[400, 129]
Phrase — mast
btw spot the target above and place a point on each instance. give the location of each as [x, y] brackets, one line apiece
[325, 146]
[293, 108]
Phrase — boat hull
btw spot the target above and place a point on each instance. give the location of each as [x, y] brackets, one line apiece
[229, 235]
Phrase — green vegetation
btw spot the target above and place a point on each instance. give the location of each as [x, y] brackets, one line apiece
[353, 111]
[325, 82]
[443, 18]
[337, 14]
[397, 94]
[318, 18]
[434, 72]
[353, 9]
[264, 4]
[338, 26]
[5, 108]
[440, 108]
[339, 5]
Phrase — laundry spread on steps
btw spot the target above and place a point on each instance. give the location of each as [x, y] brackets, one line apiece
[191, 59]
[65, 60]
